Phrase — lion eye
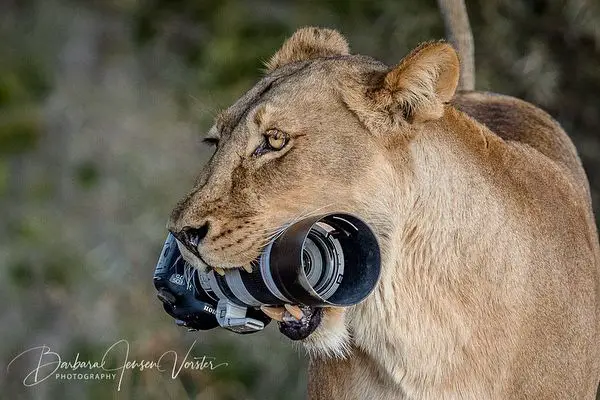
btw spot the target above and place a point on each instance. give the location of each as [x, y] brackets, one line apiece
[276, 139]
[211, 141]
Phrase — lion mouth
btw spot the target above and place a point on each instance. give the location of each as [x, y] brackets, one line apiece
[301, 329]
[295, 322]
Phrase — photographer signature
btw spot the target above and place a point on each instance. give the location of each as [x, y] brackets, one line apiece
[50, 364]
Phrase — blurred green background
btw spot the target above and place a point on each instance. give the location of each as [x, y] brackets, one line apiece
[102, 107]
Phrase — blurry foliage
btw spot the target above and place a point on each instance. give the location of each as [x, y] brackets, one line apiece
[19, 129]
[102, 104]
[23, 85]
[87, 174]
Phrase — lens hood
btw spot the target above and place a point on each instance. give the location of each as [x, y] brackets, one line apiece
[361, 259]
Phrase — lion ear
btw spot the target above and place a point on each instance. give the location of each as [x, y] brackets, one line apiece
[420, 84]
[308, 43]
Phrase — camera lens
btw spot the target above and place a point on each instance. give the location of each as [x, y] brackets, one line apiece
[312, 262]
[307, 265]
[326, 260]
[322, 260]
[331, 259]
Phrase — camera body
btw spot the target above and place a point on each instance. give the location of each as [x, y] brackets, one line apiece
[327, 260]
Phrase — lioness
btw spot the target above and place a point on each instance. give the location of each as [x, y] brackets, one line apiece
[490, 285]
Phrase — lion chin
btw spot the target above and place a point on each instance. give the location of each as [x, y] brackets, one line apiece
[331, 338]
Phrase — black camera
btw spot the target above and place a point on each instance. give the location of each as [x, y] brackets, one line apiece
[327, 260]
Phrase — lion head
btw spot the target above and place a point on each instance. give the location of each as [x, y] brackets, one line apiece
[323, 131]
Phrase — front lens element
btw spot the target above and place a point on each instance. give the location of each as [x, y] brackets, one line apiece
[323, 260]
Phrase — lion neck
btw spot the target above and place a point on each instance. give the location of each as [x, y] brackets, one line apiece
[406, 327]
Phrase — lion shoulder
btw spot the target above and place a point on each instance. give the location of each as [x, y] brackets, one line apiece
[515, 120]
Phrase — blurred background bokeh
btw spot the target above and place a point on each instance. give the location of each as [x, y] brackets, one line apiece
[102, 107]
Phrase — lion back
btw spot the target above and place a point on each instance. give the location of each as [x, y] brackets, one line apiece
[516, 120]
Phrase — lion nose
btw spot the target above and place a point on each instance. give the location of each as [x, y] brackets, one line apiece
[191, 237]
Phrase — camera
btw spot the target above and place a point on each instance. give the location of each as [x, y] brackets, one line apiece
[327, 260]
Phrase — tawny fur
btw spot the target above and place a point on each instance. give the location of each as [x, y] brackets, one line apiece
[490, 286]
